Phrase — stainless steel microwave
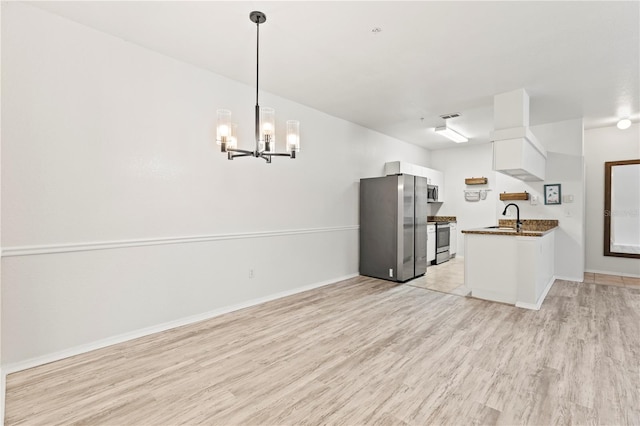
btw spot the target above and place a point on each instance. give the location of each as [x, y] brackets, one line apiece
[432, 193]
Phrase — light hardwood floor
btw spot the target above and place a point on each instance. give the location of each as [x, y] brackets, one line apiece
[447, 277]
[616, 280]
[363, 351]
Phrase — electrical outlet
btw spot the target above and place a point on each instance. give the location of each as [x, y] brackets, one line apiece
[534, 200]
[250, 273]
[391, 272]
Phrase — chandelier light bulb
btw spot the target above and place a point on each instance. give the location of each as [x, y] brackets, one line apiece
[223, 127]
[268, 121]
[268, 126]
[232, 140]
[293, 136]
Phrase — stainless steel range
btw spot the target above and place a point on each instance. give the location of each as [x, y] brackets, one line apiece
[443, 234]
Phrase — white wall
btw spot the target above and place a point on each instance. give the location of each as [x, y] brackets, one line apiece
[119, 212]
[564, 141]
[601, 145]
[457, 164]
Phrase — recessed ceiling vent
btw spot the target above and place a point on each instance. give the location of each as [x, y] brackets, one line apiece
[451, 115]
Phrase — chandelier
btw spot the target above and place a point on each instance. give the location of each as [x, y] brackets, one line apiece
[265, 122]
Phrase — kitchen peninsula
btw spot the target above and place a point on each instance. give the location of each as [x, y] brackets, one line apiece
[509, 266]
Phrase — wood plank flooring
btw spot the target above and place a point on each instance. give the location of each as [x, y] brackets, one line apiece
[447, 277]
[617, 280]
[362, 351]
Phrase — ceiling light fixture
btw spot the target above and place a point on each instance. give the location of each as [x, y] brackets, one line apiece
[265, 121]
[450, 133]
[623, 124]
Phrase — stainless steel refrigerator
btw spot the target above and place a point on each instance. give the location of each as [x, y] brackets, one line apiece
[393, 227]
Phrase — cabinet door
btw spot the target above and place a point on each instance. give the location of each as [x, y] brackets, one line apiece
[379, 230]
[431, 243]
[406, 242]
[420, 226]
[438, 179]
[453, 240]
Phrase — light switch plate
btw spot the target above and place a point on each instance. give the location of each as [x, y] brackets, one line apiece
[567, 198]
[534, 200]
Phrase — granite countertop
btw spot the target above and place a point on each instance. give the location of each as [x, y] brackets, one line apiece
[435, 219]
[530, 228]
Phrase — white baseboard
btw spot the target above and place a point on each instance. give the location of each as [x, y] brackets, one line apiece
[575, 279]
[536, 306]
[99, 344]
[620, 274]
[492, 296]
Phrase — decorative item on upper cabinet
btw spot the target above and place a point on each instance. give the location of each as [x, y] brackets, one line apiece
[476, 181]
[509, 196]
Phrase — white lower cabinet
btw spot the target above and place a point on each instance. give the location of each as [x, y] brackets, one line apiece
[453, 238]
[431, 243]
[509, 269]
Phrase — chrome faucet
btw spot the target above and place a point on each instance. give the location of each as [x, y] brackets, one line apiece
[518, 223]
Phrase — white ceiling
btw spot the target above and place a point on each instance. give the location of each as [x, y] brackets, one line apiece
[575, 59]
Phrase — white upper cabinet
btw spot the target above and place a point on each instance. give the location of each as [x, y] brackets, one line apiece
[437, 178]
[516, 151]
[434, 177]
[520, 157]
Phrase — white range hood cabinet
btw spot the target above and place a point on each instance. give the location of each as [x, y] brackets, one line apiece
[516, 151]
